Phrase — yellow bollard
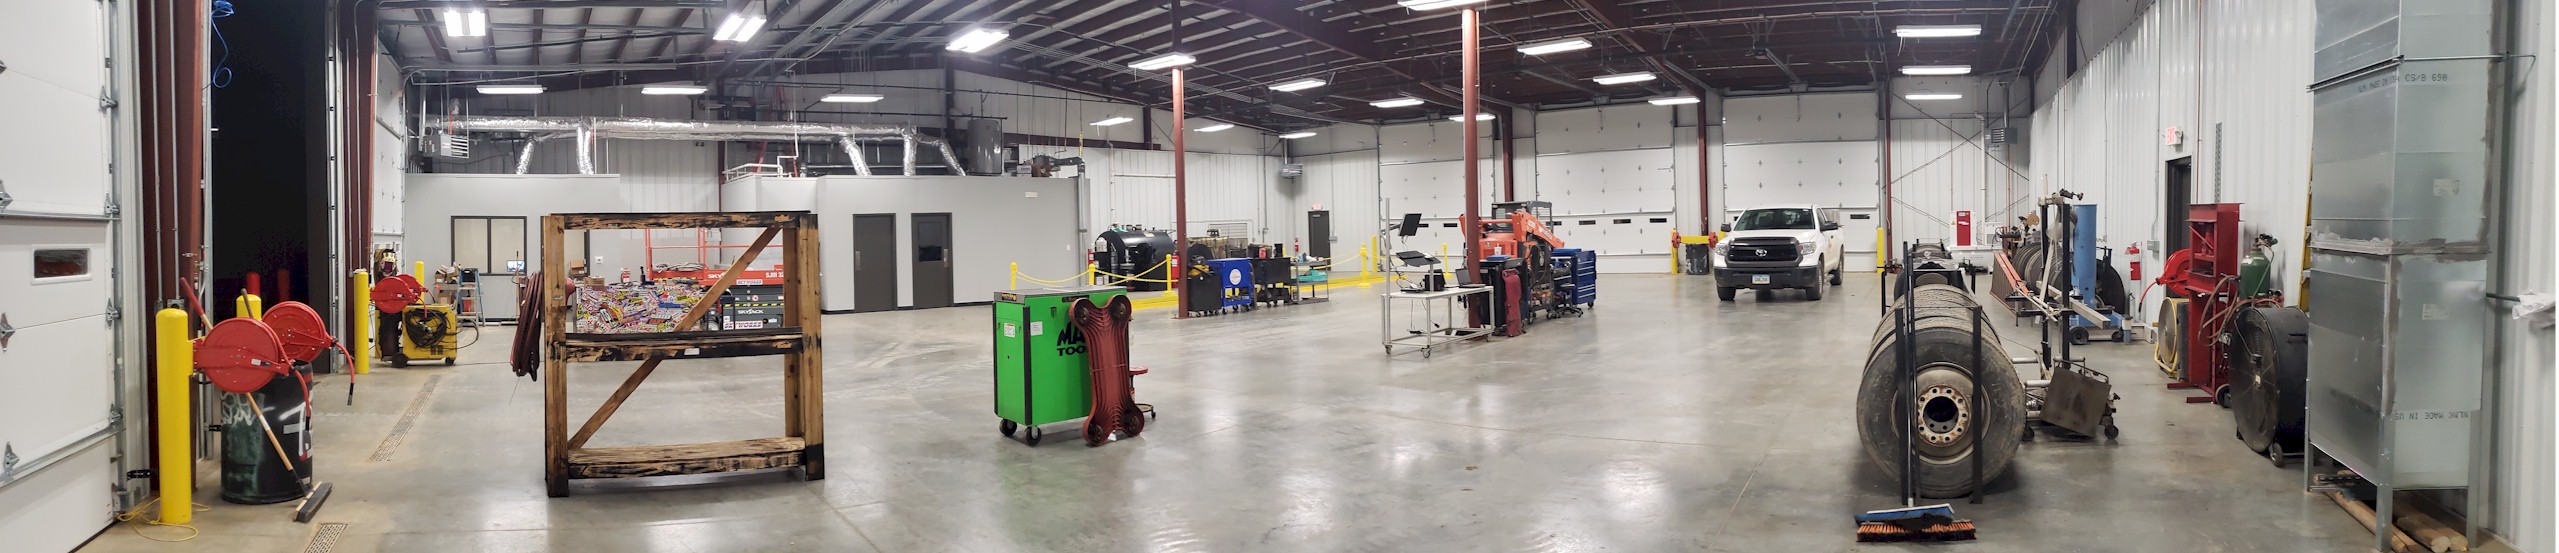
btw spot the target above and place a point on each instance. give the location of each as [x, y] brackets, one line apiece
[1880, 248]
[1093, 273]
[176, 431]
[1017, 277]
[1173, 273]
[248, 306]
[362, 342]
[420, 273]
[1364, 266]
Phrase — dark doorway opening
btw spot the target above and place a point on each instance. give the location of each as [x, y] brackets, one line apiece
[2178, 193]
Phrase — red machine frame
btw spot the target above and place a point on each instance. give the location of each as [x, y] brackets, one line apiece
[2211, 284]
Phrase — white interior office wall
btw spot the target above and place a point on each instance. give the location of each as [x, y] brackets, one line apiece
[1612, 174]
[995, 222]
[1815, 149]
[58, 375]
[435, 199]
[2100, 133]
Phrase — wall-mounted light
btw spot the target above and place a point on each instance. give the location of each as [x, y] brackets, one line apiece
[673, 90]
[1214, 128]
[1297, 85]
[1419, 5]
[1396, 103]
[975, 40]
[1163, 62]
[1672, 101]
[1554, 46]
[1936, 31]
[1623, 78]
[1936, 69]
[1297, 135]
[1479, 116]
[1932, 96]
[462, 23]
[1114, 120]
[511, 89]
[852, 98]
[739, 28]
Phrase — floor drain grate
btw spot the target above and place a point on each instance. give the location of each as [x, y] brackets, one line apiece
[408, 419]
[326, 540]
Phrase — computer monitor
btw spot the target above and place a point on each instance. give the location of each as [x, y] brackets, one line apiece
[1412, 225]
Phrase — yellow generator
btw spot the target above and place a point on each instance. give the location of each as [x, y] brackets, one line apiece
[425, 331]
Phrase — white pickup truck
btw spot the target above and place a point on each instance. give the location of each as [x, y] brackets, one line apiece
[1768, 248]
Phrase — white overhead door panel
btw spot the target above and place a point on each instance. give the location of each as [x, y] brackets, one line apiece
[1837, 174]
[1629, 127]
[1433, 189]
[58, 358]
[1623, 181]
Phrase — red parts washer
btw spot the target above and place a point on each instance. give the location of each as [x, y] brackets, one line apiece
[1115, 406]
[396, 292]
[241, 355]
[300, 329]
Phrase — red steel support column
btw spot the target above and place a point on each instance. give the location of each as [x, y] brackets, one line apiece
[1466, 122]
[1181, 194]
[1706, 215]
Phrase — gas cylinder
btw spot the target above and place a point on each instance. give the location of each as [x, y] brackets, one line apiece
[2254, 272]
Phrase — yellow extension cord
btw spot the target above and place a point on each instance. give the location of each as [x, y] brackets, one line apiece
[135, 515]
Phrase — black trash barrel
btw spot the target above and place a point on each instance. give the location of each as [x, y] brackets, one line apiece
[252, 474]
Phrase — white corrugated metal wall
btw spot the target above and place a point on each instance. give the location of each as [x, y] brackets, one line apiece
[2102, 132]
[1135, 187]
[2526, 466]
[1943, 161]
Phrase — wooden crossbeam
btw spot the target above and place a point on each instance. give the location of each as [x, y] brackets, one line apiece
[692, 316]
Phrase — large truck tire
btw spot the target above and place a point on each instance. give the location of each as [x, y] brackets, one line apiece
[1943, 342]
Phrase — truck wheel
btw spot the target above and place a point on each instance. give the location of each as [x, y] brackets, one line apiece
[1834, 276]
[1813, 293]
[1724, 293]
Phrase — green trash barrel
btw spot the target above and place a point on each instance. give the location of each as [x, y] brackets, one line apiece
[1040, 375]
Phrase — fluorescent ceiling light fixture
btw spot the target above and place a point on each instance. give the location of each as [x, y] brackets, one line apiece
[1936, 31]
[1114, 120]
[1479, 116]
[1297, 135]
[459, 23]
[1933, 96]
[1936, 69]
[1396, 103]
[1672, 101]
[1162, 62]
[510, 89]
[673, 90]
[1623, 78]
[739, 28]
[1297, 85]
[975, 40]
[1434, 4]
[1214, 128]
[1554, 46]
[852, 98]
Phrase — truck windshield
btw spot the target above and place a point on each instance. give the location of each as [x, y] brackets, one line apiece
[1775, 219]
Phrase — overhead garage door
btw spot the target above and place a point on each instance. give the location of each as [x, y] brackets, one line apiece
[57, 357]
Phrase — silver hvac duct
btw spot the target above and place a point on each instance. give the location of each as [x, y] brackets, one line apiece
[853, 151]
[587, 129]
[524, 157]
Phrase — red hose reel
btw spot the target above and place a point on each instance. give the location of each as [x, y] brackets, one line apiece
[241, 355]
[395, 293]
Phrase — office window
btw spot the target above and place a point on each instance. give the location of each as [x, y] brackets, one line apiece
[492, 245]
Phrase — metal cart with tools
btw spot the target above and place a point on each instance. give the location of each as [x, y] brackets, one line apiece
[1040, 371]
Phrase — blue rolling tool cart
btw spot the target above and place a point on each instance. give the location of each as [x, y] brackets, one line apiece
[1576, 278]
[1234, 282]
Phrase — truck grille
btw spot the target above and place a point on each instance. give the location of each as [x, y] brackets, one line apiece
[1763, 249]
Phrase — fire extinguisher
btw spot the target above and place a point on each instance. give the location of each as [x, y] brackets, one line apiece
[2135, 252]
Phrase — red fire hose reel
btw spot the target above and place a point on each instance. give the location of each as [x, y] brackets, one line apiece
[396, 292]
[241, 355]
[300, 330]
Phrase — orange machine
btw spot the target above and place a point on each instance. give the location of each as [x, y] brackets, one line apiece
[1518, 230]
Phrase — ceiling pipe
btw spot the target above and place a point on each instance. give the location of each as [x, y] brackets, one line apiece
[637, 128]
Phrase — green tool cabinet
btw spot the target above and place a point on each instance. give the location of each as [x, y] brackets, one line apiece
[1040, 375]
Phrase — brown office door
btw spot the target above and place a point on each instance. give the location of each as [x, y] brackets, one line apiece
[875, 262]
[932, 260]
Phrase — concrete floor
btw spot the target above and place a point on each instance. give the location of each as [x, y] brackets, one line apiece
[1664, 421]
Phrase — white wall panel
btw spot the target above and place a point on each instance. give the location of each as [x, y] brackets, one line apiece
[1799, 118]
[1336, 139]
[1345, 183]
[1433, 141]
[2526, 475]
[1624, 127]
[1942, 166]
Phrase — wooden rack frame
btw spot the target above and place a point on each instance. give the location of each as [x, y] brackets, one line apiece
[802, 443]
